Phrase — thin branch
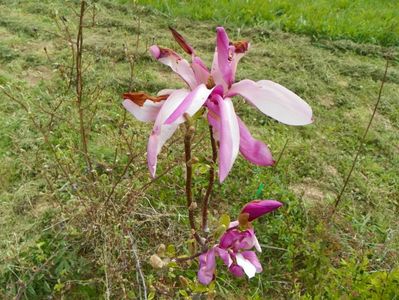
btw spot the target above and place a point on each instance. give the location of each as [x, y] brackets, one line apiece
[189, 178]
[210, 183]
[79, 87]
[338, 200]
[186, 258]
[138, 265]
[281, 153]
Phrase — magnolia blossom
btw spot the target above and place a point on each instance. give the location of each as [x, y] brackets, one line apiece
[214, 90]
[234, 247]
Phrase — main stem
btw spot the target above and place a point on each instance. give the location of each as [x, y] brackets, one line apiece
[79, 86]
[209, 190]
[189, 179]
[338, 200]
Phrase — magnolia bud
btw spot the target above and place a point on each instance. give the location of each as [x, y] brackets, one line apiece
[161, 250]
[156, 262]
[193, 205]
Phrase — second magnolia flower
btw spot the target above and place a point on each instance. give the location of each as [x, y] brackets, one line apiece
[214, 89]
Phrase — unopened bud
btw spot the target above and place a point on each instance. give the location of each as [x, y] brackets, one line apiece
[156, 262]
[191, 128]
[184, 281]
[194, 160]
[161, 250]
[193, 205]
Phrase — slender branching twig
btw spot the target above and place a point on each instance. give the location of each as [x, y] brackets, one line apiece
[211, 182]
[79, 88]
[338, 200]
[189, 178]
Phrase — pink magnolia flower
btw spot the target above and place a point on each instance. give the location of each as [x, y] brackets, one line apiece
[235, 245]
[214, 89]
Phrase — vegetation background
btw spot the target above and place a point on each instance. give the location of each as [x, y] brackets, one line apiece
[70, 233]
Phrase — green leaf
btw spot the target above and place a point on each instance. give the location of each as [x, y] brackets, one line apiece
[171, 251]
[259, 192]
[224, 220]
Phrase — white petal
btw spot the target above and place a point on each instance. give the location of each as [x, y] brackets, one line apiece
[274, 100]
[247, 266]
[146, 113]
[157, 139]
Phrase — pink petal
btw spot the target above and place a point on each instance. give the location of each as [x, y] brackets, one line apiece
[176, 63]
[229, 136]
[190, 105]
[161, 132]
[201, 72]
[157, 139]
[170, 105]
[228, 239]
[223, 50]
[253, 259]
[207, 266]
[258, 208]
[165, 92]
[233, 224]
[217, 76]
[146, 113]
[253, 150]
[274, 100]
[236, 270]
[224, 255]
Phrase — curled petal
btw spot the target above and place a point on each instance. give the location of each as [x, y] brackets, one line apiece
[258, 208]
[181, 41]
[274, 100]
[145, 113]
[206, 272]
[176, 63]
[253, 150]
[229, 136]
[240, 48]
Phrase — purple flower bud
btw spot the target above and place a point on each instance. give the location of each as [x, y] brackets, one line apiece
[258, 208]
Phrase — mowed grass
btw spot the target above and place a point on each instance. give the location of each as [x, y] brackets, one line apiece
[365, 21]
[44, 239]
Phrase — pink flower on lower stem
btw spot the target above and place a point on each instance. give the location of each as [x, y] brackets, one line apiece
[214, 90]
[235, 245]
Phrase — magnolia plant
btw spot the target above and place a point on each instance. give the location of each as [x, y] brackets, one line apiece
[235, 245]
[210, 92]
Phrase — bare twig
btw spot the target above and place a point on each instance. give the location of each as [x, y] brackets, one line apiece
[138, 266]
[338, 200]
[79, 87]
[186, 258]
[281, 153]
[210, 183]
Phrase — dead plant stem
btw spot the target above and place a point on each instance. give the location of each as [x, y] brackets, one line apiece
[339, 198]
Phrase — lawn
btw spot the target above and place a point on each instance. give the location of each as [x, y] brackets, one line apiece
[74, 234]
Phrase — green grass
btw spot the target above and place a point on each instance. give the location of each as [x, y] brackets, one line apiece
[365, 21]
[60, 238]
